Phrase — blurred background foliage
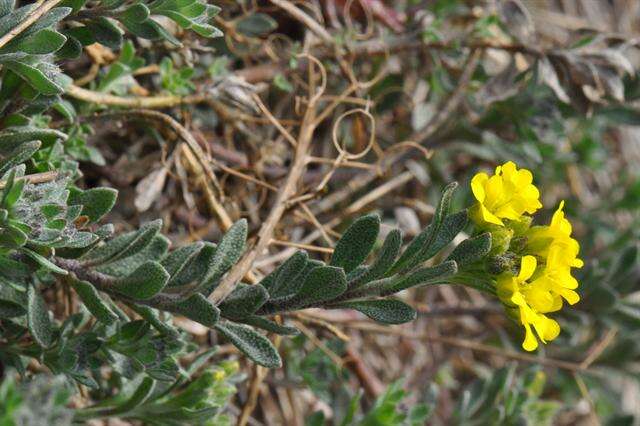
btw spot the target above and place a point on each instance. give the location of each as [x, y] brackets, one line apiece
[453, 87]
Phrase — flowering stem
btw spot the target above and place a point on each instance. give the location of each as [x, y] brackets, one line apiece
[473, 280]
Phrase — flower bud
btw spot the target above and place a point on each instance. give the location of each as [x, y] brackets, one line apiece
[521, 225]
[518, 244]
[500, 239]
[498, 264]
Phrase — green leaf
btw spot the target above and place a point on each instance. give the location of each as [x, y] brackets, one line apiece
[36, 78]
[13, 190]
[316, 419]
[406, 260]
[471, 249]
[387, 311]
[94, 303]
[447, 231]
[323, 283]
[243, 301]
[229, 251]
[6, 7]
[425, 276]
[122, 404]
[40, 43]
[66, 109]
[96, 202]
[281, 82]
[106, 32]
[19, 155]
[12, 269]
[384, 261]
[356, 243]
[124, 245]
[152, 318]
[12, 302]
[284, 281]
[142, 393]
[12, 137]
[419, 247]
[38, 318]
[49, 19]
[156, 249]
[195, 269]
[43, 261]
[72, 49]
[256, 24]
[179, 258]
[251, 343]
[136, 13]
[10, 309]
[144, 283]
[445, 202]
[75, 5]
[199, 309]
[270, 326]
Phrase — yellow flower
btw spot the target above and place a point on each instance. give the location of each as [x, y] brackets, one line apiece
[540, 240]
[508, 194]
[219, 375]
[519, 296]
[556, 278]
[553, 245]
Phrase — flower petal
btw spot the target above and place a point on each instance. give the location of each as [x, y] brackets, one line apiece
[552, 329]
[527, 267]
[530, 342]
[477, 186]
[569, 295]
[489, 217]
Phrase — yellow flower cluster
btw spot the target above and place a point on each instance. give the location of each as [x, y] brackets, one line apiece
[544, 279]
[506, 195]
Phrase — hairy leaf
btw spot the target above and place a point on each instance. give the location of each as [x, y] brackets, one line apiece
[471, 249]
[38, 318]
[145, 282]
[284, 282]
[424, 276]
[243, 301]
[419, 250]
[322, 284]
[229, 251]
[384, 261]
[387, 311]
[251, 343]
[124, 245]
[96, 202]
[199, 309]
[270, 326]
[94, 303]
[356, 243]
[196, 268]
